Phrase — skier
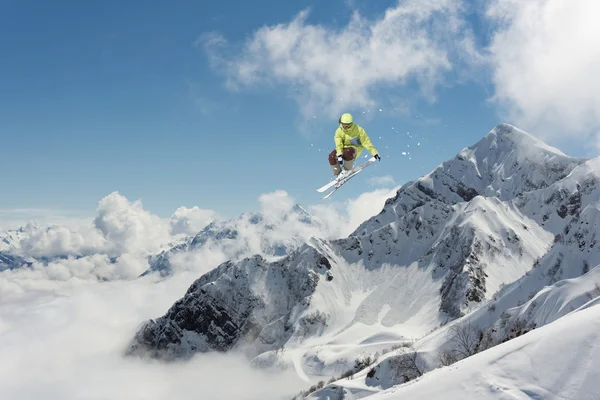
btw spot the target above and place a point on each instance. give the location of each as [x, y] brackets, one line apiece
[350, 139]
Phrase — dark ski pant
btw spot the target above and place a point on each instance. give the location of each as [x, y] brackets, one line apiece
[348, 156]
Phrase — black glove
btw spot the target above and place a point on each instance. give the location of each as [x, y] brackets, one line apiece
[377, 157]
[340, 159]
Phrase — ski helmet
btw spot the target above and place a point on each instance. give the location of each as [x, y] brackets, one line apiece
[346, 118]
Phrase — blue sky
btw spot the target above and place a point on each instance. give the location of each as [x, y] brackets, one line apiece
[207, 104]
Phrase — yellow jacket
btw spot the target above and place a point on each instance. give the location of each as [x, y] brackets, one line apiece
[354, 137]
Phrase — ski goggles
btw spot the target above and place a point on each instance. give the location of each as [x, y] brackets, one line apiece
[346, 126]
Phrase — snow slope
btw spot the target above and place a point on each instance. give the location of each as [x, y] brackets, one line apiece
[557, 361]
[545, 308]
[566, 209]
[10, 243]
[10, 240]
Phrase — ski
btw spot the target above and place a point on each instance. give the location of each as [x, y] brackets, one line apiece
[330, 193]
[338, 182]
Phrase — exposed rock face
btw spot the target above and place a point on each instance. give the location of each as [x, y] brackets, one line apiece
[250, 302]
[11, 261]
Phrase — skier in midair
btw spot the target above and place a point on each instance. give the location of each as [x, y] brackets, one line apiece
[350, 139]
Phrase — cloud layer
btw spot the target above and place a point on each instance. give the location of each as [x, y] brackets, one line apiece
[64, 328]
[114, 245]
[118, 242]
[189, 221]
[128, 227]
[67, 343]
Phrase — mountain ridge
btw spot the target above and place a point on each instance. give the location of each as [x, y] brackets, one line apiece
[448, 241]
[249, 233]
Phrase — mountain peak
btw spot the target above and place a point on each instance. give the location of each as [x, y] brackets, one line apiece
[273, 232]
[517, 139]
[507, 145]
[505, 163]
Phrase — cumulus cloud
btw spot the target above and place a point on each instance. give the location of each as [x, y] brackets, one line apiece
[542, 59]
[116, 244]
[545, 60]
[57, 240]
[343, 218]
[119, 227]
[330, 69]
[281, 225]
[329, 221]
[189, 221]
[276, 205]
[119, 241]
[72, 271]
[128, 226]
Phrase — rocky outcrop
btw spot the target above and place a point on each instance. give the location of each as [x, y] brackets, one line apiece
[250, 302]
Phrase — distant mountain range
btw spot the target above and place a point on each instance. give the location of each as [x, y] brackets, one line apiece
[272, 236]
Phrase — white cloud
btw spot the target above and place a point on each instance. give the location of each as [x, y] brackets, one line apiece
[190, 221]
[114, 245]
[290, 222]
[128, 227]
[206, 258]
[329, 69]
[386, 180]
[283, 223]
[58, 240]
[368, 205]
[119, 227]
[542, 59]
[276, 204]
[545, 57]
[117, 243]
[67, 342]
[343, 218]
[71, 271]
[282, 226]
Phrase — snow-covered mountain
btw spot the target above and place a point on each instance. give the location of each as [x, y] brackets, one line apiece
[10, 243]
[557, 361]
[483, 233]
[273, 236]
[238, 301]
[507, 162]
[11, 239]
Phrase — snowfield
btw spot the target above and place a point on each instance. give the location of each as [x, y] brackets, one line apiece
[558, 361]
